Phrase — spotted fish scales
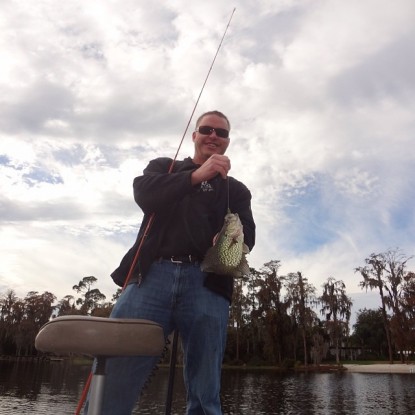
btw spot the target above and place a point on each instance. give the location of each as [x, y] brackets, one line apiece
[228, 255]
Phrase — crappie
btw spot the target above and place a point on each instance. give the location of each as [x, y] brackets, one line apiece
[227, 255]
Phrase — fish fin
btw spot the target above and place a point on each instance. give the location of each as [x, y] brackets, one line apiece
[245, 249]
[209, 259]
[242, 269]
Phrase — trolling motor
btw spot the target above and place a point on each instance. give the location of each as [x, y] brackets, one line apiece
[101, 338]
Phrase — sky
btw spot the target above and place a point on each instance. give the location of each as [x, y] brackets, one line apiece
[321, 99]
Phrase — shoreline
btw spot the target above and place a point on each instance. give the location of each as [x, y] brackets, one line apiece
[381, 368]
[400, 368]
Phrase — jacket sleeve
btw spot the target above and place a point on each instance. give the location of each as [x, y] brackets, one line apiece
[240, 203]
[156, 190]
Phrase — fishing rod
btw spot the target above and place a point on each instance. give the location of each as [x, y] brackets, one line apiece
[173, 357]
[200, 94]
[151, 219]
[146, 232]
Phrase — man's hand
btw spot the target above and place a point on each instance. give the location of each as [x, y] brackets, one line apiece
[215, 164]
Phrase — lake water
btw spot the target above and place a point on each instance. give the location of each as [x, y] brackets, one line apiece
[55, 387]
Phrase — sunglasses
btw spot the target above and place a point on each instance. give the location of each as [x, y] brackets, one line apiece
[206, 130]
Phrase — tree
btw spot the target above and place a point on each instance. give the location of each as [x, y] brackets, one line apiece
[369, 331]
[103, 310]
[386, 272]
[337, 309]
[253, 335]
[91, 297]
[66, 306]
[10, 317]
[21, 320]
[408, 306]
[272, 310]
[300, 298]
[236, 315]
[372, 274]
[116, 295]
[38, 310]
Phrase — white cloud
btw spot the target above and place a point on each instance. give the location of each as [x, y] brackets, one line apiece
[321, 100]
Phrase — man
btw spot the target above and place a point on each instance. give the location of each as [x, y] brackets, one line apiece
[168, 287]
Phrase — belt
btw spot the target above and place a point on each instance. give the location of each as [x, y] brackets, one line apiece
[182, 259]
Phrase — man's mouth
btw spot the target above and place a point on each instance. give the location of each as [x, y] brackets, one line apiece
[212, 145]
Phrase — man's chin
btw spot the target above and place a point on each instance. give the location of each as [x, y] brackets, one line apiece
[213, 150]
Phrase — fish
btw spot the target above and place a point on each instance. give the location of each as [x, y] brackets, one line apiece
[227, 256]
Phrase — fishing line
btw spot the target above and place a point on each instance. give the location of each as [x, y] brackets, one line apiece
[228, 195]
[200, 94]
[152, 216]
[151, 219]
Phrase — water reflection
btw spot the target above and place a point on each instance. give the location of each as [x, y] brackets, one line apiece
[29, 387]
[318, 393]
[55, 387]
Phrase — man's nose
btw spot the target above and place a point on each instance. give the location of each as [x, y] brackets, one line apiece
[213, 133]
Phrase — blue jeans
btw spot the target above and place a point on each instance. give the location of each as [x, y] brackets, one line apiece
[172, 295]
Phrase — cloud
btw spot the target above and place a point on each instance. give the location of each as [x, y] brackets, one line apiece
[321, 100]
[386, 73]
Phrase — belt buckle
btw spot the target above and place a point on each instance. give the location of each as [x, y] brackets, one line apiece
[175, 261]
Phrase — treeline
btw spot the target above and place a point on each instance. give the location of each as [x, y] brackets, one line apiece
[274, 319]
[280, 319]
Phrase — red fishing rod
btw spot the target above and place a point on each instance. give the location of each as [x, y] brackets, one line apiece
[144, 237]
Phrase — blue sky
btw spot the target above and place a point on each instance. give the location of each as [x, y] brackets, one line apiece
[320, 95]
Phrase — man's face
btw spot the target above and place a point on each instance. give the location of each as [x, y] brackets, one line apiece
[208, 144]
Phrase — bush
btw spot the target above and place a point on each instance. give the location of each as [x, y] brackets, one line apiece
[288, 364]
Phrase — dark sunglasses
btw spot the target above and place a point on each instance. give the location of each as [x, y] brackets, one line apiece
[206, 130]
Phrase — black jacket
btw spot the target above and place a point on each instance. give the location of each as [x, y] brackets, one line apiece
[186, 217]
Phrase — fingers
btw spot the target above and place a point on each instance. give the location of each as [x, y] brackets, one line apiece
[216, 164]
[219, 164]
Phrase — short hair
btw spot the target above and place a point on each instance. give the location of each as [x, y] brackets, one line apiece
[217, 113]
